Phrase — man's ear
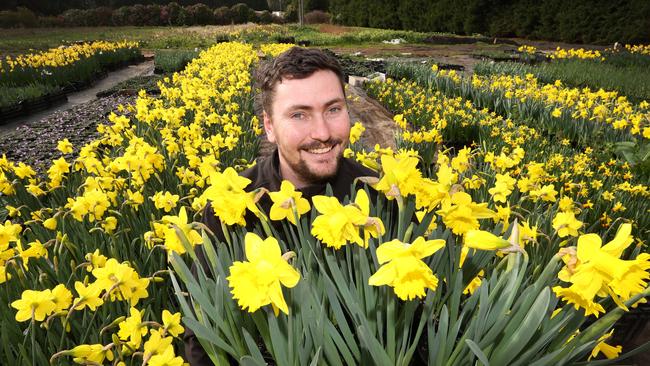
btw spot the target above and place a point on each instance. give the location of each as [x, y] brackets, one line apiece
[268, 127]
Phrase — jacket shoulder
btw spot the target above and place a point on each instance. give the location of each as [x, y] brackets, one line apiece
[356, 169]
[261, 175]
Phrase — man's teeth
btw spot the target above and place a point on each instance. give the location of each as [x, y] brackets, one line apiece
[322, 150]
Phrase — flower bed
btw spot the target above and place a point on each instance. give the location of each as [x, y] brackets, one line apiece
[38, 77]
[421, 272]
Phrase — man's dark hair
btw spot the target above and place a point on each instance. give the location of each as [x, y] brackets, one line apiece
[295, 63]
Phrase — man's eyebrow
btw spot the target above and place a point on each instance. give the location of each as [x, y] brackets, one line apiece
[308, 107]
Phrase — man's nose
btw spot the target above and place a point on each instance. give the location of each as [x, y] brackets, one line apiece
[320, 129]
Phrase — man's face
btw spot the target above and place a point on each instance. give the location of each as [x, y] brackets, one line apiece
[310, 124]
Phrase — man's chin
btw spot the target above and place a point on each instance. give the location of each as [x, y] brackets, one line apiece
[320, 171]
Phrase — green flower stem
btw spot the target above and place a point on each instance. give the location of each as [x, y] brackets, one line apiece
[400, 217]
[32, 330]
[390, 322]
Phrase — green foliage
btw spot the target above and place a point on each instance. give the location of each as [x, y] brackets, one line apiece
[20, 18]
[31, 83]
[12, 95]
[357, 36]
[541, 145]
[577, 21]
[638, 155]
[80, 71]
[631, 81]
[335, 317]
[169, 61]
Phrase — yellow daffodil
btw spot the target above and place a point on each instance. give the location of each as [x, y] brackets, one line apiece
[356, 131]
[9, 233]
[50, 223]
[166, 358]
[23, 171]
[288, 203]
[34, 305]
[340, 224]
[95, 260]
[172, 323]
[399, 176]
[595, 270]
[474, 283]
[87, 296]
[566, 224]
[62, 298]
[122, 281]
[258, 281]
[157, 344]
[64, 146]
[461, 215]
[607, 350]
[4, 276]
[229, 199]
[165, 200]
[91, 353]
[403, 268]
[484, 240]
[172, 240]
[132, 328]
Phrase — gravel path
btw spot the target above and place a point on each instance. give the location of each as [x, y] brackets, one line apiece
[34, 143]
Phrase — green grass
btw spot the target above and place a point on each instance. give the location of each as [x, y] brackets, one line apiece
[626, 59]
[357, 36]
[631, 81]
[16, 41]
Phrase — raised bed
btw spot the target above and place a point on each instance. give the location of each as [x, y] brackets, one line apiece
[29, 106]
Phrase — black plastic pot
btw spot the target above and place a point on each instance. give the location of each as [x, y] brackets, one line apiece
[10, 112]
[35, 105]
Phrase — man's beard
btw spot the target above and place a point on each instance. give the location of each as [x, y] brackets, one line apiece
[305, 173]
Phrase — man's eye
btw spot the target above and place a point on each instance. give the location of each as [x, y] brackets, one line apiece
[298, 115]
[335, 109]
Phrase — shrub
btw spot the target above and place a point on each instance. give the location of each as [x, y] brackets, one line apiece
[169, 61]
[242, 13]
[100, 16]
[199, 14]
[120, 16]
[52, 21]
[264, 17]
[175, 14]
[74, 17]
[22, 17]
[151, 15]
[318, 17]
[291, 14]
[223, 15]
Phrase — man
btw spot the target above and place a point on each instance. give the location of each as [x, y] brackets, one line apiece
[305, 114]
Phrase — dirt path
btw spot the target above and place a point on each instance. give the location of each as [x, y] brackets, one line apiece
[380, 128]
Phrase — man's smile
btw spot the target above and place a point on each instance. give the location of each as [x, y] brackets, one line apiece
[321, 150]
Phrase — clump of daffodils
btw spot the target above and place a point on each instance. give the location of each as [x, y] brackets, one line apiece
[595, 271]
